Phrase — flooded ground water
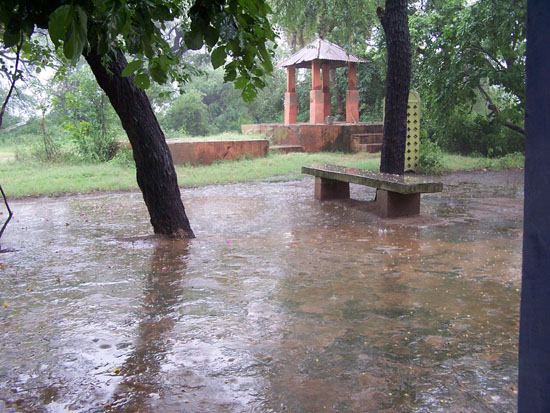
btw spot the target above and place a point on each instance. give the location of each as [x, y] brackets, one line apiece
[282, 303]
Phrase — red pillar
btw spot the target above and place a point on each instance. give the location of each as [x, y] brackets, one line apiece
[326, 91]
[352, 95]
[316, 102]
[291, 98]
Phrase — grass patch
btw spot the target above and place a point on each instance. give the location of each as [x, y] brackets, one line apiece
[31, 178]
[8, 150]
[463, 163]
[273, 168]
[6, 155]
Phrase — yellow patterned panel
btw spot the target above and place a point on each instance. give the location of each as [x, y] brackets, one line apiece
[412, 143]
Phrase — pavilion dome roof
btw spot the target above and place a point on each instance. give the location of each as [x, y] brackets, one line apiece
[321, 49]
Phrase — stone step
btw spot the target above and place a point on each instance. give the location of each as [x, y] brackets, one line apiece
[286, 148]
[369, 147]
[365, 138]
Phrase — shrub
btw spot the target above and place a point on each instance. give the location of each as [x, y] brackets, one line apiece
[190, 114]
[431, 157]
[92, 144]
[124, 157]
[477, 134]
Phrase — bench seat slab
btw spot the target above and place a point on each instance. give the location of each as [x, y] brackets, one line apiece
[389, 182]
[330, 189]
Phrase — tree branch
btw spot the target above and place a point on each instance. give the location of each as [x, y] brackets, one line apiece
[494, 59]
[380, 12]
[492, 107]
[514, 127]
[495, 109]
[13, 80]
[10, 214]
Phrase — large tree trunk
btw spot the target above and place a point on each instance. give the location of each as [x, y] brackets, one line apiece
[156, 175]
[395, 22]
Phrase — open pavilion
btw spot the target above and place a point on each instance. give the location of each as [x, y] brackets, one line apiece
[321, 56]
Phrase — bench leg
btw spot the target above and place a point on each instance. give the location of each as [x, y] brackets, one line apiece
[330, 189]
[393, 204]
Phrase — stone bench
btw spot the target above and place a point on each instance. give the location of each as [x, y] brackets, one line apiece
[396, 195]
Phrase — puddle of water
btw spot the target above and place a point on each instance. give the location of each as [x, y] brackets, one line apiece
[281, 303]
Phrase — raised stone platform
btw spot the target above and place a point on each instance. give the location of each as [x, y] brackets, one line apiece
[315, 137]
[204, 153]
[397, 195]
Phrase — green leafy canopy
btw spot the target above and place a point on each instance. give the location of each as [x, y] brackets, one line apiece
[235, 31]
[468, 46]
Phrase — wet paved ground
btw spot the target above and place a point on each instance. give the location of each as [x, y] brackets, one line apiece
[282, 303]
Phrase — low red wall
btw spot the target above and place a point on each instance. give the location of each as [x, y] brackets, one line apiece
[204, 153]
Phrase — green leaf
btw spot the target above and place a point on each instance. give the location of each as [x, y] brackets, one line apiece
[147, 46]
[158, 74]
[248, 57]
[120, 18]
[27, 48]
[193, 40]
[211, 36]
[218, 57]
[241, 82]
[161, 12]
[142, 81]
[131, 67]
[11, 38]
[230, 74]
[164, 62]
[102, 45]
[259, 83]
[268, 66]
[72, 44]
[249, 93]
[58, 24]
[83, 22]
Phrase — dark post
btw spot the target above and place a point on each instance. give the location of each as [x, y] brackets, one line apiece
[534, 338]
[395, 23]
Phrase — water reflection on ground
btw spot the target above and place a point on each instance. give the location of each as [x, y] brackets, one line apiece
[282, 303]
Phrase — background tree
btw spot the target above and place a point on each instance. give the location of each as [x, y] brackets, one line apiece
[13, 76]
[227, 111]
[87, 114]
[394, 20]
[347, 23]
[101, 30]
[188, 115]
[470, 70]
[24, 59]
